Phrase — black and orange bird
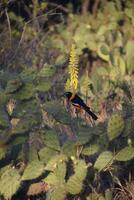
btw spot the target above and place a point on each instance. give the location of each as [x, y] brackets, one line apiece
[78, 103]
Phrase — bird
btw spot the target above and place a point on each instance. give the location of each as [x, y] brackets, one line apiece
[79, 104]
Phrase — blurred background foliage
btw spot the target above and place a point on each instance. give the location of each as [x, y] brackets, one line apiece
[46, 151]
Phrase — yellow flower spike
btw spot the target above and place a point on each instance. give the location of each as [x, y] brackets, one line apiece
[73, 69]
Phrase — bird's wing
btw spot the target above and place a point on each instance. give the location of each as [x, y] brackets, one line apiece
[79, 101]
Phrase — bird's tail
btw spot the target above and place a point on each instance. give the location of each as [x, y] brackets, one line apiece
[87, 109]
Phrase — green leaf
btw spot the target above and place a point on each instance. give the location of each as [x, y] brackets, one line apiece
[28, 74]
[46, 154]
[130, 49]
[75, 182]
[129, 12]
[103, 51]
[80, 168]
[60, 59]
[130, 55]
[112, 26]
[54, 161]
[114, 73]
[26, 92]
[69, 149]
[130, 65]
[73, 185]
[22, 108]
[33, 170]
[6, 76]
[56, 180]
[108, 194]
[4, 98]
[101, 31]
[26, 123]
[120, 63]
[97, 83]
[92, 196]
[59, 193]
[9, 182]
[47, 71]
[33, 155]
[128, 127]
[2, 151]
[52, 180]
[51, 139]
[13, 86]
[115, 126]
[102, 71]
[19, 139]
[60, 171]
[58, 112]
[125, 154]
[92, 44]
[43, 86]
[4, 119]
[90, 150]
[101, 198]
[85, 83]
[104, 160]
[84, 135]
[58, 190]
[57, 177]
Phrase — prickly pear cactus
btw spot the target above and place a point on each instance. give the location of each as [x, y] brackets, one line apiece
[132, 108]
[128, 127]
[115, 126]
[128, 109]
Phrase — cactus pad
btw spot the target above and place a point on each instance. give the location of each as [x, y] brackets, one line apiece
[115, 126]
